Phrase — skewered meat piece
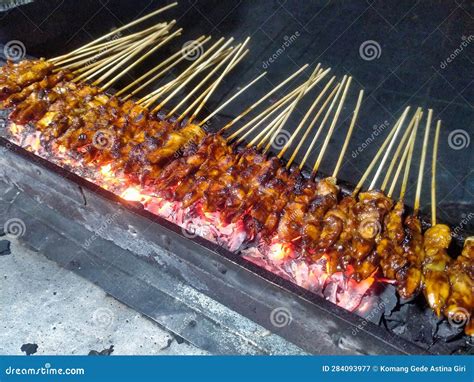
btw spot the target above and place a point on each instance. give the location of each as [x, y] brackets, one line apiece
[42, 87]
[180, 169]
[460, 304]
[325, 199]
[409, 275]
[16, 76]
[436, 286]
[390, 247]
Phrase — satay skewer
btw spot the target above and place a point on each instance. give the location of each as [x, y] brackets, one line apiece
[175, 59]
[205, 79]
[389, 149]
[406, 159]
[433, 173]
[88, 72]
[323, 122]
[265, 97]
[293, 106]
[400, 146]
[237, 57]
[115, 31]
[377, 156]
[312, 124]
[135, 63]
[306, 116]
[274, 126]
[349, 134]
[419, 182]
[234, 96]
[106, 47]
[332, 127]
[202, 98]
[196, 68]
[263, 116]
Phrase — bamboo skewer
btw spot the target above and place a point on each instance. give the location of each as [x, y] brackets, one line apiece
[200, 42]
[269, 129]
[234, 61]
[273, 128]
[114, 32]
[419, 182]
[433, 174]
[207, 92]
[108, 46]
[332, 127]
[405, 136]
[375, 159]
[200, 84]
[349, 134]
[323, 122]
[85, 70]
[91, 71]
[406, 174]
[254, 105]
[136, 50]
[232, 98]
[187, 80]
[135, 63]
[389, 149]
[167, 87]
[238, 56]
[306, 116]
[406, 153]
[264, 115]
[189, 73]
[293, 106]
[310, 127]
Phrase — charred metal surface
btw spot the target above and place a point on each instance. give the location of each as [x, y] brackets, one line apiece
[316, 325]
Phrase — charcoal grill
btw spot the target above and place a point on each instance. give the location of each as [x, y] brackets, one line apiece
[317, 326]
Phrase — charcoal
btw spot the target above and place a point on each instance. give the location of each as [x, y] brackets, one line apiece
[4, 247]
[29, 349]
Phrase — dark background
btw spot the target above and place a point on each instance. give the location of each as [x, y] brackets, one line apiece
[415, 37]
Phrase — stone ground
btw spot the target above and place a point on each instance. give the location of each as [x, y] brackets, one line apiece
[42, 304]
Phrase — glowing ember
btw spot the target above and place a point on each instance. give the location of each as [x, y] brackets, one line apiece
[280, 252]
[132, 194]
